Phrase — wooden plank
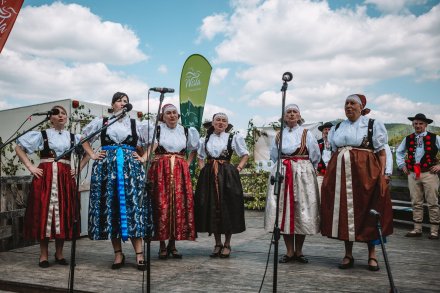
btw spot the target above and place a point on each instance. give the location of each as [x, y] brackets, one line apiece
[12, 214]
[5, 231]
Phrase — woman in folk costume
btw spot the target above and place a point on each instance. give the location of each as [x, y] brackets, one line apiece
[170, 181]
[355, 182]
[119, 207]
[299, 195]
[50, 207]
[219, 203]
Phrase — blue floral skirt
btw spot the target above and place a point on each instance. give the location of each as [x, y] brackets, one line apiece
[107, 200]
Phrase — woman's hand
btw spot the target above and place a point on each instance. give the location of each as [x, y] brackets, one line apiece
[37, 172]
[99, 155]
[73, 172]
[387, 179]
[139, 158]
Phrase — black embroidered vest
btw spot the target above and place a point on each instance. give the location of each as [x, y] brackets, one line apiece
[46, 152]
[429, 159]
[130, 140]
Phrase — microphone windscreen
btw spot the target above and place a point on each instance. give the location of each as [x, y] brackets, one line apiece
[55, 111]
[128, 107]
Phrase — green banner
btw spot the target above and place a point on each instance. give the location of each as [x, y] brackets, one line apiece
[194, 83]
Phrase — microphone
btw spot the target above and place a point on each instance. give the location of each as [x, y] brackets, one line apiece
[287, 76]
[162, 90]
[127, 107]
[48, 113]
[374, 213]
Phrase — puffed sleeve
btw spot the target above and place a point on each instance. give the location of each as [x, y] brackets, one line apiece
[313, 149]
[93, 126]
[31, 142]
[400, 154]
[239, 145]
[201, 153]
[77, 138]
[145, 129]
[273, 151]
[380, 136]
[333, 146]
[389, 160]
[193, 139]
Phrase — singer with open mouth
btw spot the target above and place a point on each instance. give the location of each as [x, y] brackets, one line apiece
[50, 206]
[355, 182]
[119, 207]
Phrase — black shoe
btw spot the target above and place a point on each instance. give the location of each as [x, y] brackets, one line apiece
[348, 265]
[301, 258]
[433, 236]
[285, 258]
[163, 253]
[413, 233]
[223, 254]
[216, 253]
[60, 261]
[116, 266]
[373, 268]
[141, 265]
[173, 252]
[43, 264]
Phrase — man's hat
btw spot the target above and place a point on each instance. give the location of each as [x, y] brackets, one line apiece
[421, 117]
[325, 125]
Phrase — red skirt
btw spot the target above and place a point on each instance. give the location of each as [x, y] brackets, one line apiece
[50, 207]
[172, 198]
[346, 215]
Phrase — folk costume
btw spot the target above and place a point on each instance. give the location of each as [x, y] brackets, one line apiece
[326, 153]
[418, 152]
[170, 179]
[119, 206]
[219, 203]
[50, 206]
[299, 195]
[354, 184]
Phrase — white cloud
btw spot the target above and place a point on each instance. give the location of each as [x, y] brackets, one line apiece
[72, 32]
[163, 69]
[331, 53]
[48, 79]
[218, 75]
[212, 25]
[394, 6]
[61, 51]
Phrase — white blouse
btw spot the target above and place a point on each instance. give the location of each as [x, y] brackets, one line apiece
[59, 141]
[292, 141]
[353, 133]
[218, 143]
[118, 131]
[173, 139]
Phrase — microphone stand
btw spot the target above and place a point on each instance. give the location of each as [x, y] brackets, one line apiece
[277, 181]
[79, 152]
[20, 135]
[393, 288]
[147, 168]
[3, 145]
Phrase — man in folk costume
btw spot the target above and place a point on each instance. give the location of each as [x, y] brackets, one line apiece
[422, 167]
[326, 152]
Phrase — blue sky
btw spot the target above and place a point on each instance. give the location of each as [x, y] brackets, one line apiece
[87, 50]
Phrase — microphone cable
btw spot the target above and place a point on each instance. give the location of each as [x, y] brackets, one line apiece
[267, 264]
